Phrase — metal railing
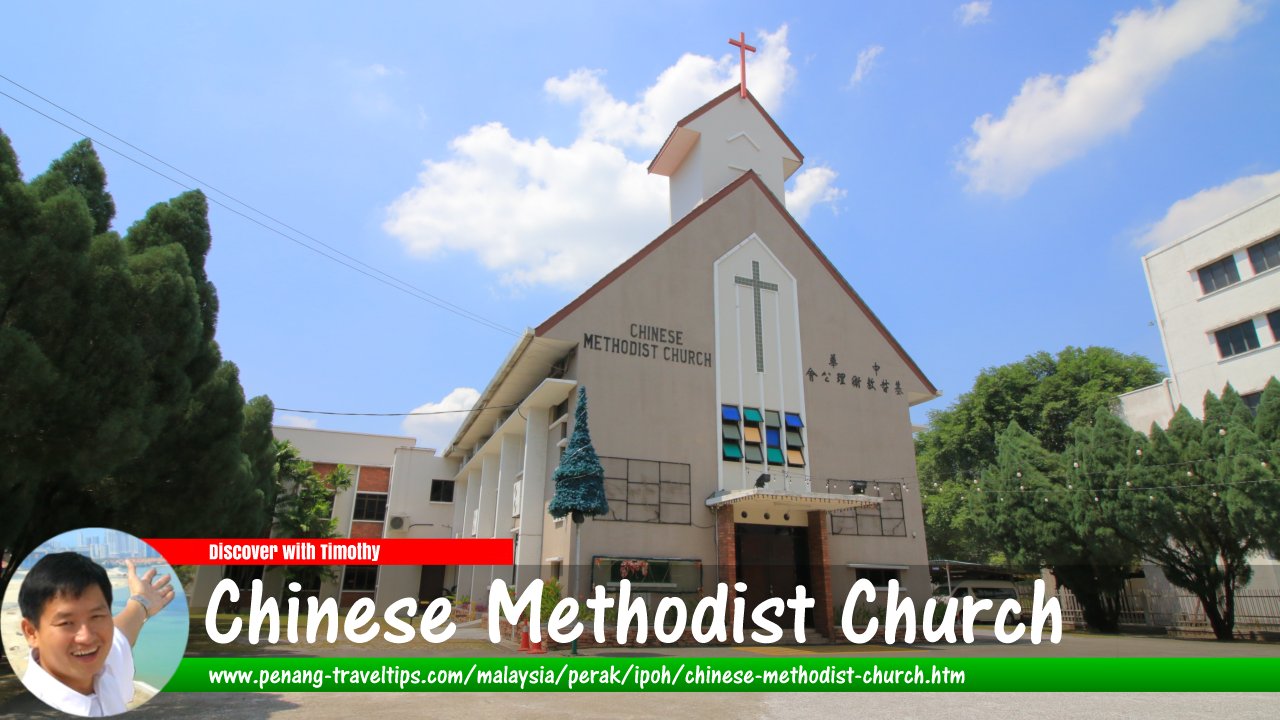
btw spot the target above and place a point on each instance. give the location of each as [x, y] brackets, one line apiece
[1254, 610]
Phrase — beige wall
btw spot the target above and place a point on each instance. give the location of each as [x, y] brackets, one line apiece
[412, 473]
[648, 408]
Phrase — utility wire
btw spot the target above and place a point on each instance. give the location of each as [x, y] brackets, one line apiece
[393, 414]
[386, 278]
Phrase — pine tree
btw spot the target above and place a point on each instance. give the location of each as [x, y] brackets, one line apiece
[1214, 501]
[116, 408]
[579, 479]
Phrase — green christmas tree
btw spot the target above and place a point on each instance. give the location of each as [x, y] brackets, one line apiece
[580, 477]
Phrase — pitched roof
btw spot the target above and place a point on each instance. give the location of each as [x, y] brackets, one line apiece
[749, 176]
[671, 141]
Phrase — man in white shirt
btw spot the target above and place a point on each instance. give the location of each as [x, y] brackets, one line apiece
[82, 657]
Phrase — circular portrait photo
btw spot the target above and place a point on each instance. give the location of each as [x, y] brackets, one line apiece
[94, 623]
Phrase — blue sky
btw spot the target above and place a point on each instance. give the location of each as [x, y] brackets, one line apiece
[987, 175]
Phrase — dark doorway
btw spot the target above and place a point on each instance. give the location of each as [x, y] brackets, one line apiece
[431, 583]
[772, 561]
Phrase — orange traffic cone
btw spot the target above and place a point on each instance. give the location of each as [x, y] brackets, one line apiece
[524, 638]
[538, 648]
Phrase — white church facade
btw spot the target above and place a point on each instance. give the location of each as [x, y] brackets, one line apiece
[751, 414]
[750, 411]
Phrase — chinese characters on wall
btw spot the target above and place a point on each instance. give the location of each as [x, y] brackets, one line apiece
[830, 373]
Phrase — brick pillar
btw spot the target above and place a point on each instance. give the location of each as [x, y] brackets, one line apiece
[727, 551]
[820, 572]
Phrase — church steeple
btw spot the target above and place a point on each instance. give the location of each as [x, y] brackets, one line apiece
[715, 144]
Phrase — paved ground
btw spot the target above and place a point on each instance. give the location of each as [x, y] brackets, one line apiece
[472, 642]
[667, 706]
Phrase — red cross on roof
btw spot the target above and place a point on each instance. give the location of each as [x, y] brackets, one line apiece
[743, 48]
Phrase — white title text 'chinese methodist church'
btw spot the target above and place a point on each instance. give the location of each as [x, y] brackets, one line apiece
[750, 412]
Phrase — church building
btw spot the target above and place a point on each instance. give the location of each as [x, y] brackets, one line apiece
[750, 411]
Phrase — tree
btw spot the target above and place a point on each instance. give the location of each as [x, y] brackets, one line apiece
[1212, 500]
[115, 407]
[1046, 514]
[1044, 395]
[579, 479]
[304, 505]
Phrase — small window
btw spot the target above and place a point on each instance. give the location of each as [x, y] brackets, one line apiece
[731, 450]
[879, 577]
[731, 432]
[1219, 274]
[752, 415]
[442, 491]
[795, 458]
[729, 413]
[1265, 255]
[775, 456]
[793, 421]
[370, 506]
[1237, 339]
[753, 434]
[1273, 318]
[360, 578]
[772, 418]
[1252, 401]
[753, 454]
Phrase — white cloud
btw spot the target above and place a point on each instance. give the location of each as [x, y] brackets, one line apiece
[540, 213]
[1054, 119]
[972, 13]
[435, 431]
[1207, 206]
[380, 70]
[296, 421]
[866, 60]
[812, 186]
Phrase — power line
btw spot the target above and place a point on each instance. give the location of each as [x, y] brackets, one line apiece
[386, 278]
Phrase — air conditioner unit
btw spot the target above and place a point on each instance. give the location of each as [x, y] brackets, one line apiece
[399, 522]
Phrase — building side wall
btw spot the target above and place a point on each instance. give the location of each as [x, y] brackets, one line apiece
[1188, 317]
[647, 408]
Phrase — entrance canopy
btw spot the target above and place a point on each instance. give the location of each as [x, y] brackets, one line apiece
[797, 501]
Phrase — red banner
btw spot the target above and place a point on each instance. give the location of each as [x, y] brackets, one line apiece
[344, 551]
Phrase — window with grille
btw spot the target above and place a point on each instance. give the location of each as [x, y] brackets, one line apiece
[1219, 274]
[1237, 339]
[370, 506]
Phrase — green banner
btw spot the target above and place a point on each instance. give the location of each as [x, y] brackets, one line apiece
[561, 674]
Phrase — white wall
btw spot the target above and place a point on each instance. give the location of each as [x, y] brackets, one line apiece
[1188, 317]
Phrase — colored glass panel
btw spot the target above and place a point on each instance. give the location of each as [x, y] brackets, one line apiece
[772, 418]
[729, 413]
[732, 451]
[794, 440]
[773, 437]
[753, 453]
[752, 434]
[752, 415]
[731, 432]
[795, 457]
[793, 421]
[775, 456]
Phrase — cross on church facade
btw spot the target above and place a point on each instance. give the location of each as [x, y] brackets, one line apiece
[743, 49]
[756, 284]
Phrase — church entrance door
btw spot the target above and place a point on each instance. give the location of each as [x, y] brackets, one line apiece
[772, 561]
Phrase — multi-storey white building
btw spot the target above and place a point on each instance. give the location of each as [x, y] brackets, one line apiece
[1216, 294]
[397, 491]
